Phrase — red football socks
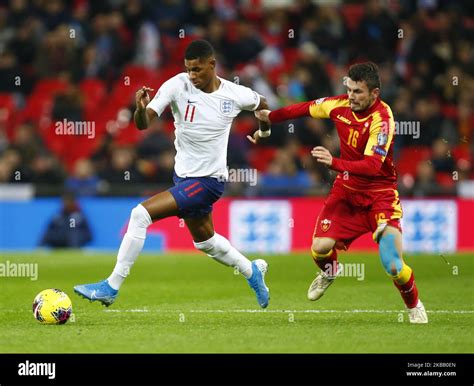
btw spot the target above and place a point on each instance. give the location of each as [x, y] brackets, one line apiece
[328, 263]
[408, 291]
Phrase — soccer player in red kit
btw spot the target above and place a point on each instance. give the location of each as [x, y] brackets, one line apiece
[364, 196]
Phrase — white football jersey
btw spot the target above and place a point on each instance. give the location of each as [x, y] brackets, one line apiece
[202, 122]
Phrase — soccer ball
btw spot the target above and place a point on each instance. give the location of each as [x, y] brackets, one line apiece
[52, 306]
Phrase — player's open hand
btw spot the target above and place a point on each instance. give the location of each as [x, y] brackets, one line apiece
[142, 98]
[322, 155]
[263, 115]
[255, 138]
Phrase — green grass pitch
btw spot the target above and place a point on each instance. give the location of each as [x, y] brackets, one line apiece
[187, 303]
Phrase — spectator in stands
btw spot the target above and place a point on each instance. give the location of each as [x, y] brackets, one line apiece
[246, 47]
[47, 170]
[122, 168]
[283, 177]
[282, 51]
[430, 122]
[68, 105]
[171, 15]
[9, 70]
[376, 37]
[165, 168]
[442, 159]
[318, 84]
[24, 47]
[84, 181]
[5, 171]
[57, 54]
[18, 170]
[425, 181]
[27, 142]
[155, 142]
[69, 228]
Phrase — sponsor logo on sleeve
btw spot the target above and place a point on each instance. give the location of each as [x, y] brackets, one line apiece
[380, 151]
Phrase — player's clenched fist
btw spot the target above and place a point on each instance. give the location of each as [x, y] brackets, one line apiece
[142, 98]
[263, 115]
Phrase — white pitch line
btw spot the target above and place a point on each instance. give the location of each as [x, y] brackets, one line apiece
[290, 311]
[138, 310]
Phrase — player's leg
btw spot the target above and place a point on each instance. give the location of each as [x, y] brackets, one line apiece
[219, 248]
[142, 216]
[216, 246]
[390, 249]
[385, 216]
[337, 225]
[323, 251]
[155, 208]
[324, 255]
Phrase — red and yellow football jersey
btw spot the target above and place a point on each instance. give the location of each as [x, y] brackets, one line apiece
[366, 139]
[366, 134]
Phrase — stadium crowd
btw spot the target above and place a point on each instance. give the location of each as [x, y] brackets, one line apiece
[82, 61]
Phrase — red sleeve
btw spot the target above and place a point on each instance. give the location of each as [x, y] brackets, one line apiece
[297, 110]
[367, 167]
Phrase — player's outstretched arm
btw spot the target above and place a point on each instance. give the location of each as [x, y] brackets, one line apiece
[267, 117]
[297, 110]
[142, 115]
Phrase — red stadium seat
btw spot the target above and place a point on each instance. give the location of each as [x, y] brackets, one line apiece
[129, 135]
[305, 150]
[261, 157]
[94, 92]
[291, 56]
[7, 113]
[50, 86]
[38, 109]
[445, 179]
[175, 47]
[275, 74]
[410, 157]
[352, 14]
[462, 153]
[40, 103]
[138, 75]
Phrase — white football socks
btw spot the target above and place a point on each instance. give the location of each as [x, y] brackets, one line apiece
[220, 249]
[132, 245]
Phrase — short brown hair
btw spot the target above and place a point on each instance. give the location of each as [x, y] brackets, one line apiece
[367, 72]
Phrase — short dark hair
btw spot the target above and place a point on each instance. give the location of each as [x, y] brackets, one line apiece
[199, 49]
[368, 72]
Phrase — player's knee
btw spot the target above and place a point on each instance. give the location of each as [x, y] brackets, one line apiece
[389, 256]
[322, 245]
[215, 246]
[139, 221]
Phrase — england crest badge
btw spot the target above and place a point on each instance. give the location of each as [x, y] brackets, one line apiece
[227, 106]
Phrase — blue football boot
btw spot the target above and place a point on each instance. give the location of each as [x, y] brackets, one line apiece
[257, 282]
[100, 291]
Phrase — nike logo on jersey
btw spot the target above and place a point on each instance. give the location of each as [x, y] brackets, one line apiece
[191, 101]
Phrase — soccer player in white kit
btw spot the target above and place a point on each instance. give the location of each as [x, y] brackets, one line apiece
[203, 107]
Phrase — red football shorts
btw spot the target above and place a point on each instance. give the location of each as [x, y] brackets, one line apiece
[348, 213]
